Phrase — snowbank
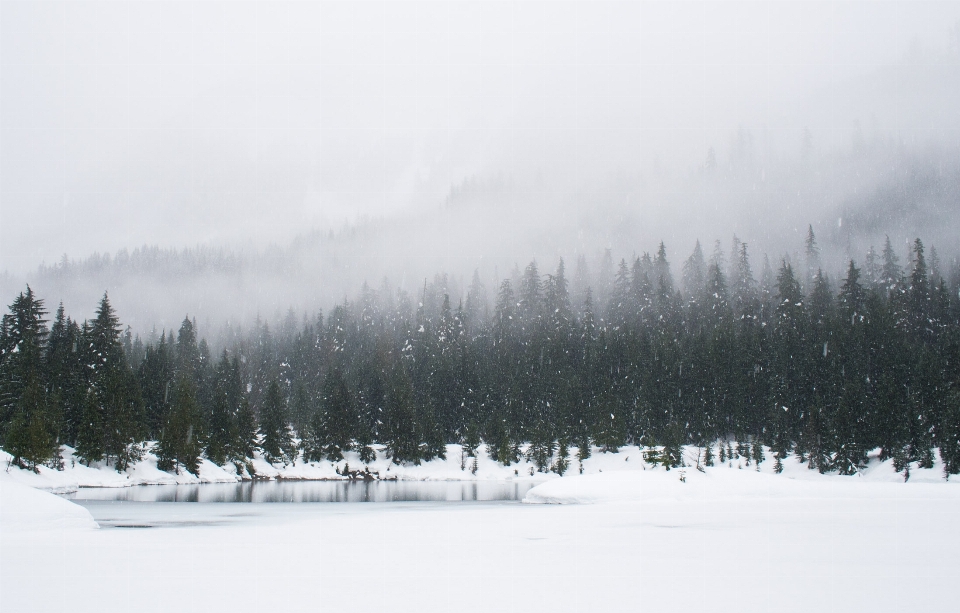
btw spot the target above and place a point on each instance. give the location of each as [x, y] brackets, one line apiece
[733, 480]
[658, 484]
[456, 467]
[76, 474]
[24, 508]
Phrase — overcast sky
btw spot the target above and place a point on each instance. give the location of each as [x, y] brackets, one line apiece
[177, 123]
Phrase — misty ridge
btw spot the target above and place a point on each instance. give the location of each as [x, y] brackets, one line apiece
[486, 229]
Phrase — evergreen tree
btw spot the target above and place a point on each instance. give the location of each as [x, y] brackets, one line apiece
[117, 393]
[29, 419]
[563, 455]
[155, 374]
[90, 433]
[63, 374]
[248, 432]
[788, 387]
[918, 294]
[695, 272]
[338, 419]
[401, 432]
[221, 428]
[180, 439]
[890, 273]
[276, 437]
[812, 256]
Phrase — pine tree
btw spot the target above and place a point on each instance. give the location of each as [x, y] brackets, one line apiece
[221, 428]
[248, 432]
[339, 419]
[117, 393]
[89, 445]
[476, 312]
[276, 437]
[948, 434]
[695, 272]
[401, 434]
[873, 269]
[918, 294]
[758, 456]
[788, 389]
[890, 273]
[63, 376]
[180, 439]
[529, 306]
[624, 304]
[563, 454]
[812, 256]
[29, 418]
[471, 439]
[155, 374]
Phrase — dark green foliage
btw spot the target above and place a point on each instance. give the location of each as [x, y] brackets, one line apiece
[155, 374]
[471, 440]
[276, 440]
[221, 427]
[340, 418]
[540, 452]
[115, 387]
[180, 439]
[401, 432]
[90, 436]
[948, 435]
[247, 432]
[563, 455]
[757, 452]
[31, 436]
[708, 454]
[64, 376]
[30, 426]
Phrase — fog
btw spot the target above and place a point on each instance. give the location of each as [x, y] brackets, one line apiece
[308, 147]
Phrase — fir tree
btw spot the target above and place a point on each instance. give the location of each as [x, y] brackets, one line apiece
[276, 437]
[248, 432]
[90, 434]
[117, 393]
[563, 453]
[180, 439]
[401, 433]
[29, 420]
[221, 428]
[339, 419]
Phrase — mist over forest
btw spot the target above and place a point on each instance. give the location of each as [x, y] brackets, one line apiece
[236, 162]
[854, 197]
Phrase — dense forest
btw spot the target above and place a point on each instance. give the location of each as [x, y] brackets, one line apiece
[720, 358]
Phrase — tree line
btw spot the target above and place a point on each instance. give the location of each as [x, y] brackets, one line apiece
[794, 362]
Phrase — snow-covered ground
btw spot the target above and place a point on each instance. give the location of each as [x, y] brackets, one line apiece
[727, 538]
[456, 467]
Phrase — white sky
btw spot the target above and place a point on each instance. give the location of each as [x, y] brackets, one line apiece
[173, 123]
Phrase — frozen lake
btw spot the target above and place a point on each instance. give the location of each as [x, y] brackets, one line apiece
[314, 491]
[727, 539]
